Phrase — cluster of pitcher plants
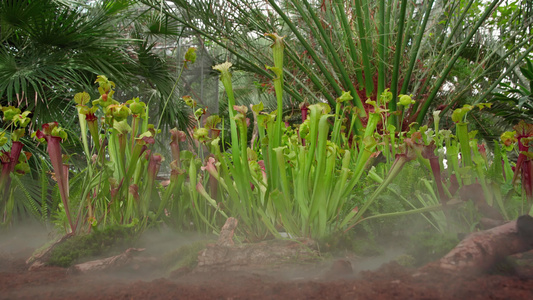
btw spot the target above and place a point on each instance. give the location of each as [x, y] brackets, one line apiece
[273, 176]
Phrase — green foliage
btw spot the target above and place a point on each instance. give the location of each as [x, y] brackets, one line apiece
[293, 184]
[299, 179]
[26, 205]
[110, 240]
[13, 163]
[513, 101]
[306, 177]
[302, 182]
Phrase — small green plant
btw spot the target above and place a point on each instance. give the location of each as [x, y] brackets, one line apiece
[120, 159]
[119, 185]
[519, 140]
[12, 161]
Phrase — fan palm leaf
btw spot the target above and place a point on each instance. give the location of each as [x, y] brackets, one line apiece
[52, 49]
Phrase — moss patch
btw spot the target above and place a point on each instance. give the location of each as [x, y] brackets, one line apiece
[108, 241]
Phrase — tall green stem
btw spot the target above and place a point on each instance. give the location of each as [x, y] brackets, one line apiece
[396, 69]
[382, 50]
[365, 46]
[416, 47]
[444, 74]
[170, 96]
[349, 38]
[336, 59]
[466, 156]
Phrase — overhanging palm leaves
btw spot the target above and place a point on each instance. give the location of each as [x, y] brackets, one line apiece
[49, 50]
[362, 46]
[513, 103]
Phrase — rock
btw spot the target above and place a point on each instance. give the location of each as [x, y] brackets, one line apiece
[225, 256]
[127, 258]
[226, 233]
[257, 255]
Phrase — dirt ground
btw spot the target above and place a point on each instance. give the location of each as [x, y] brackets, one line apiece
[342, 277]
[327, 280]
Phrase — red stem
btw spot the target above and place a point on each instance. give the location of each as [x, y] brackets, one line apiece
[304, 110]
[523, 164]
[54, 151]
[435, 168]
[8, 167]
[527, 181]
[521, 157]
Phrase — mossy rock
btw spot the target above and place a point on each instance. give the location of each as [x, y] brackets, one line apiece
[108, 241]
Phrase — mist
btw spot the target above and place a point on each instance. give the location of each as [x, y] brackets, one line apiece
[22, 239]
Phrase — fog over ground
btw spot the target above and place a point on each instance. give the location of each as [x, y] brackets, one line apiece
[23, 238]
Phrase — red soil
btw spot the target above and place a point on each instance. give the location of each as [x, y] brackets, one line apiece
[391, 281]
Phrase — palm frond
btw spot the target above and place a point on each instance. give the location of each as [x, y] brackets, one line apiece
[26, 197]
